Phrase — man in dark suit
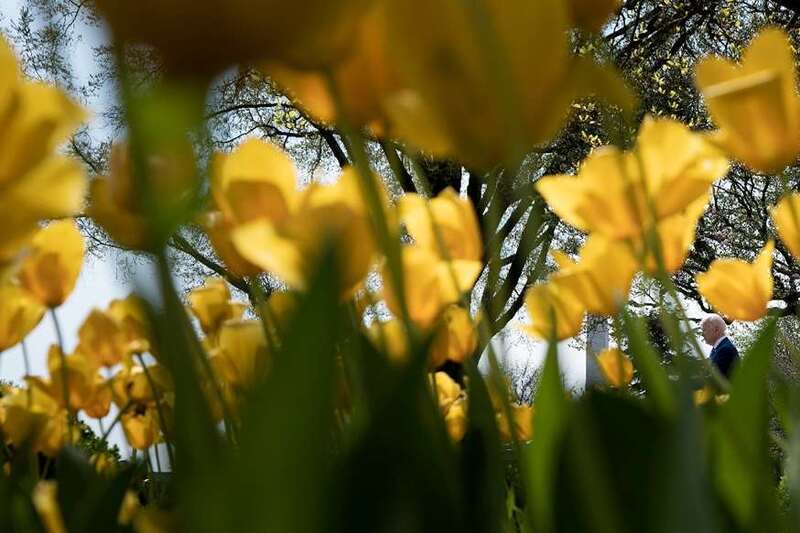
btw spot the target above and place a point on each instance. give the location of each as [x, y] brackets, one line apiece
[724, 354]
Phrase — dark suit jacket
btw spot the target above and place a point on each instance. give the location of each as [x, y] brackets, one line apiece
[725, 356]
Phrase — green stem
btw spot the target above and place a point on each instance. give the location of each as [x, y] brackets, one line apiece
[25, 358]
[64, 373]
[116, 421]
[159, 410]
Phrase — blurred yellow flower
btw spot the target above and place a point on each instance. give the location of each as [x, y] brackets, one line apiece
[455, 338]
[786, 217]
[129, 508]
[104, 463]
[289, 246]
[452, 402]
[45, 501]
[622, 194]
[131, 314]
[523, 88]
[738, 289]
[431, 284]
[257, 180]
[140, 425]
[86, 389]
[36, 119]
[19, 314]
[80, 379]
[554, 311]
[273, 226]
[33, 416]
[592, 15]
[102, 339]
[115, 200]
[522, 417]
[211, 304]
[131, 385]
[456, 419]
[51, 268]
[675, 236]
[617, 368]
[708, 393]
[602, 277]
[98, 404]
[242, 356]
[363, 79]
[755, 104]
[312, 33]
[219, 234]
[446, 224]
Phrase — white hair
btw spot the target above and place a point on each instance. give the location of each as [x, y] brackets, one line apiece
[715, 321]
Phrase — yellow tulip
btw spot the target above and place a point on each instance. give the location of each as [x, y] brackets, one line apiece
[737, 289]
[127, 228]
[523, 89]
[102, 339]
[446, 224]
[592, 15]
[140, 425]
[786, 217]
[104, 463]
[602, 278]
[312, 33]
[257, 180]
[522, 417]
[131, 385]
[33, 416]
[446, 389]
[708, 393]
[455, 339]
[211, 304]
[755, 104]
[430, 284]
[452, 402]
[219, 234]
[45, 501]
[242, 353]
[362, 79]
[617, 368]
[36, 119]
[98, 404]
[323, 213]
[622, 194]
[51, 269]
[675, 236]
[456, 419]
[131, 314]
[86, 389]
[129, 509]
[277, 228]
[19, 314]
[554, 311]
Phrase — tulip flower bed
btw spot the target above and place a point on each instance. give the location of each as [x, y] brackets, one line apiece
[334, 402]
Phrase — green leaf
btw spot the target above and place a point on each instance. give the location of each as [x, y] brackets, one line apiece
[483, 479]
[654, 376]
[88, 501]
[682, 496]
[539, 457]
[740, 452]
[280, 478]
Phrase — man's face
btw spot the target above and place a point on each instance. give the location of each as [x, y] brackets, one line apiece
[710, 333]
